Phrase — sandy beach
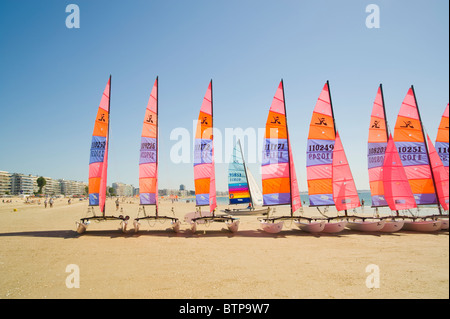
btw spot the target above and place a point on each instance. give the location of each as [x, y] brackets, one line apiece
[37, 244]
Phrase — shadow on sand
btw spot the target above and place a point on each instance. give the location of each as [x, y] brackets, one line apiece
[205, 233]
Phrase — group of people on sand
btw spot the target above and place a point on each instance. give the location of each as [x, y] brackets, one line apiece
[50, 201]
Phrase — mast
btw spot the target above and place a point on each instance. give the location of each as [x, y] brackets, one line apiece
[426, 149]
[289, 145]
[246, 177]
[384, 112]
[212, 145]
[157, 143]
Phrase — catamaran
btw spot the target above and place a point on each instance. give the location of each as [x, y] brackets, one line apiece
[279, 180]
[410, 141]
[204, 172]
[148, 163]
[98, 166]
[319, 159]
[242, 187]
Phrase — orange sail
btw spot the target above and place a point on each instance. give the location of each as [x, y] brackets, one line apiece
[204, 174]
[410, 141]
[279, 181]
[98, 163]
[148, 161]
[345, 195]
[377, 142]
[320, 151]
[442, 140]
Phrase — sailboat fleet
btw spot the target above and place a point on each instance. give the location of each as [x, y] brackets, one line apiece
[406, 171]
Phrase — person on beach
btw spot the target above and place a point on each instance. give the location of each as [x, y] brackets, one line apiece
[117, 204]
[51, 202]
[45, 203]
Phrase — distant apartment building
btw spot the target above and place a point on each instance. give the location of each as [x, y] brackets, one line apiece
[52, 187]
[122, 189]
[70, 188]
[5, 183]
[22, 184]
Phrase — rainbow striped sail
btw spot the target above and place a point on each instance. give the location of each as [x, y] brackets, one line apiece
[279, 181]
[397, 190]
[410, 142]
[320, 151]
[238, 188]
[440, 175]
[148, 160]
[98, 162]
[204, 175]
[377, 142]
[345, 195]
[442, 140]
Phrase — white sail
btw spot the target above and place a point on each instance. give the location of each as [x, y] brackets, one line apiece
[255, 191]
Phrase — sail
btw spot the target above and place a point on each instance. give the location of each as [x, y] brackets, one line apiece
[255, 191]
[275, 158]
[98, 162]
[410, 142]
[148, 161]
[440, 174]
[279, 184]
[238, 188]
[345, 195]
[320, 151]
[377, 143]
[442, 140]
[397, 190]
[204, 175]
[296, 202]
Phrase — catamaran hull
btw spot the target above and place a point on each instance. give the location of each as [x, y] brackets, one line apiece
[272, 228]
[391, 226]
[423, 226]
[366, 226]
[444, 223]
[313, 227]
[334, 227]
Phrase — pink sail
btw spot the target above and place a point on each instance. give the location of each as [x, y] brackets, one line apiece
[296, 202]
[440, 175]
[411, 145]
[98, 162]
[377, 142]
[148, 161]
[204, 175]
[397, 190]
[345, 195]
[279, 181]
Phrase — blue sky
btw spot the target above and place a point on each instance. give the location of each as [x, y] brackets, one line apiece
[52, 77]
